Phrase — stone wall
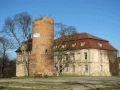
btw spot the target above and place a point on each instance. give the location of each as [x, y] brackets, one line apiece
[21, 64]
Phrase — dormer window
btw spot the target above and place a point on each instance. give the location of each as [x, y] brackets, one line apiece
[74, 44]
[63, 46]
[55, 46]
[82, 44]
[100, 44]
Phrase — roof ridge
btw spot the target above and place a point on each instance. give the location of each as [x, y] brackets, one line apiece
[91, 36]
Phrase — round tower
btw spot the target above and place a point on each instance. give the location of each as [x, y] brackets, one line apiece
[42, 44]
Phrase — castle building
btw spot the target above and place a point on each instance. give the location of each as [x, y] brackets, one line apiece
[88, 55]
[84, 54]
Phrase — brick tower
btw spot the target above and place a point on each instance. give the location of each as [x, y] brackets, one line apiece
[41, 61]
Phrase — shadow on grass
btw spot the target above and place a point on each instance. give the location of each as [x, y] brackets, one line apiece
[2, 87]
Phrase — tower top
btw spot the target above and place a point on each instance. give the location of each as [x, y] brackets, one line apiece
[44, 19]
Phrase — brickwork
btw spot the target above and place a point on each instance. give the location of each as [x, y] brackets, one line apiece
[41, 61]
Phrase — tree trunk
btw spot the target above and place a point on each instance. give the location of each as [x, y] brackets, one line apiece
[3, 64]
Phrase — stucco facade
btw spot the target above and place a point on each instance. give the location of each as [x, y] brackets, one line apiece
[88, 62]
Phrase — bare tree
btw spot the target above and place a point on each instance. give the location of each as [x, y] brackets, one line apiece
[62, 54]
[18, 29]
[5, 45]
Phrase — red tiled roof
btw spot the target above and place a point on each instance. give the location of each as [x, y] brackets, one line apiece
[77, 36]
[90, 41]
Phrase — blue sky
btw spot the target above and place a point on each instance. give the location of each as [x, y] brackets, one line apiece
[98, 17]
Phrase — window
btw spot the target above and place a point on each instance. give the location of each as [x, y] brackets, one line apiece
[67, 67]
[73, 68]
[86, 68]
[79, 68]
[46, 50]
[19, 57]
[55, 59]
[79, 55]
[100, 44]
[85, 55]
[55, 46]
[82, 44]
[101, 67]
[72, 57]
[66, 57]
[63, 46]
[73, 45]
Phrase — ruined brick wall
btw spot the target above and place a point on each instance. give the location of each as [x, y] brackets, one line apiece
[113, 62]
[41, 60]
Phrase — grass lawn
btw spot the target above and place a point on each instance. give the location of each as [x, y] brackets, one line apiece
[61, 83]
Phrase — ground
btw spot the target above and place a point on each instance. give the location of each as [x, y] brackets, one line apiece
[61, 83]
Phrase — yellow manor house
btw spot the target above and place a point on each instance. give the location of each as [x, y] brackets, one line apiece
[88, 55]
